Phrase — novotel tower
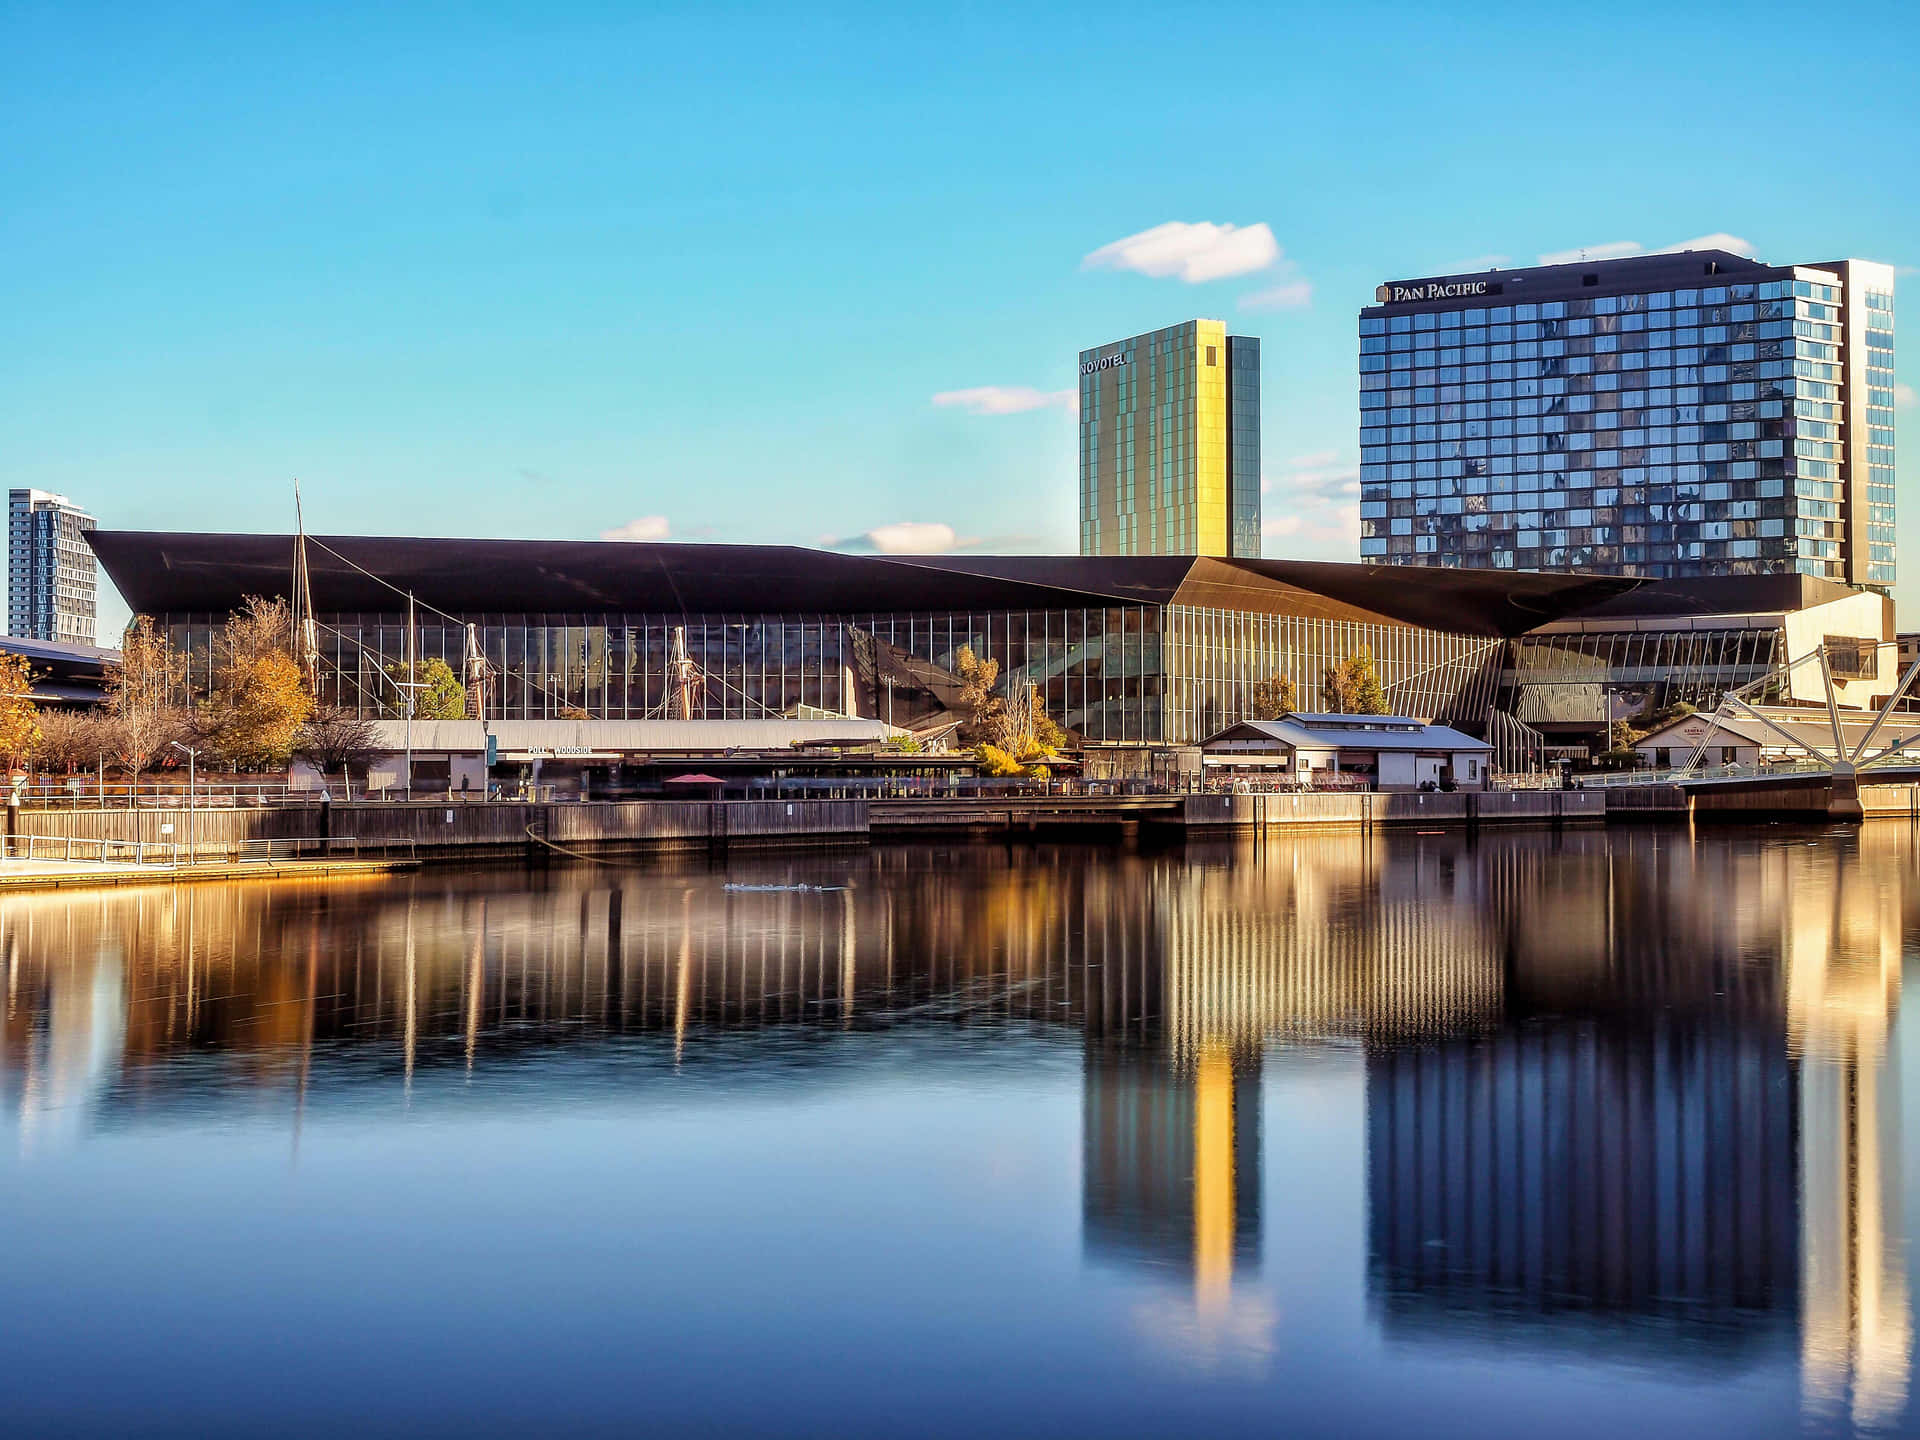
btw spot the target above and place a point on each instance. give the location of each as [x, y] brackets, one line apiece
[1666, 416]
[1170, 444]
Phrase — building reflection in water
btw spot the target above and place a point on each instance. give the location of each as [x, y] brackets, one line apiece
[1606, 1106]
[1843, 985]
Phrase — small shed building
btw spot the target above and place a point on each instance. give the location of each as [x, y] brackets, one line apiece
[1384, 752]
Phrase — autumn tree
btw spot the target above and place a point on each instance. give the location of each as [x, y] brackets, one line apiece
[1274, 697]
[144, 694]
[1353, 687]
[984, 709]
[433, 690]
[1023, 728]
[335, 737]
[259, 702]
[72, 740]
[19, 716]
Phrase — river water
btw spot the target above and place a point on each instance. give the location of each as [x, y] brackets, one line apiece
[1585, 1134]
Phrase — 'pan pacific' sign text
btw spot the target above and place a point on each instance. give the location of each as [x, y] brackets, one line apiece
[1432, 290]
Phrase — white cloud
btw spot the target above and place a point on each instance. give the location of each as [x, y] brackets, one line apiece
[1719, 240]
[1620, 249]
[1320, 481]
[1609, 250]
[1313, 503]
[1006, 399]
[647, 527]
[1478, 262]
[910, 537]
[1904, 398]
[1290, 295]
[1195, 252]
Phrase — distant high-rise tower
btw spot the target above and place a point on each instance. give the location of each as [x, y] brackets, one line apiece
[1170, 444]
[51, 580]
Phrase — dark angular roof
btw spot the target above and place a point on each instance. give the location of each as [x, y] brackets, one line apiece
[211, 574]
[1721, 595]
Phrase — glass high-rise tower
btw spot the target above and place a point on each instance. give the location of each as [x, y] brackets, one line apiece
[1666, 416]
[1170, 444]
[51, 575]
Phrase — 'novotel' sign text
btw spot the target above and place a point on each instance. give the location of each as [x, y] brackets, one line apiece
[1433, 290]
[1094, 367]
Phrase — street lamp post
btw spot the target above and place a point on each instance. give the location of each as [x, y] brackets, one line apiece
[193, 758]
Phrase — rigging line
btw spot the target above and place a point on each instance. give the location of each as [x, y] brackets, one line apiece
[382, 580]
[551, 694]
[665, 572]
[532, 683]
[565, 702]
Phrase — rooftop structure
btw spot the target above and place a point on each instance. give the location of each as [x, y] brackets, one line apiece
[1387, 752]
[65, 675]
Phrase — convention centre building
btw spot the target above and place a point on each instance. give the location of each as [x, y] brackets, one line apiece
[1122, 650]
[1126, 650]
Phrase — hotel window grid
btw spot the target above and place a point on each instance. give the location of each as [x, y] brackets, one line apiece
[1671, 433]
[51, 573]
[1170, 444]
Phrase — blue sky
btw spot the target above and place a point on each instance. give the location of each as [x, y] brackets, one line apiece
[567, 269]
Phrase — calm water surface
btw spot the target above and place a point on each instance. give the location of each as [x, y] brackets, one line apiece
[1587, 1134]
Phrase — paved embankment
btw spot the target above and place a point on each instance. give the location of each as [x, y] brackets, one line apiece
[83, 875]
[425, 828]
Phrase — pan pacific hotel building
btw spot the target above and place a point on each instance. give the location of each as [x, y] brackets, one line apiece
[1667, 416]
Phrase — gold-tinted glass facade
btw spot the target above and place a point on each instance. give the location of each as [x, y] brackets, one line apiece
[1170, 444]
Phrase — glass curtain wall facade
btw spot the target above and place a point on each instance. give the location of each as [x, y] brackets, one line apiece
[1243, 444]
[1605, 418]
[1144, 674]
[1595, 678]
[1216, 657]
[1170, 444]
[1872, 332]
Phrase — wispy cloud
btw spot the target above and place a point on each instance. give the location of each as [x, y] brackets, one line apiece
[1313, 501]
[1288, 295]
[647, 527]
[1719, 240]
[1904, 397]
[1006, 399]
[903, 537]
[1607, 250]
[1478, 262]
[1195, 251]
[1329, 527]
[1620, 249]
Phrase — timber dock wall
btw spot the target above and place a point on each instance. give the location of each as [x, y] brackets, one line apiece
[427, 828]
[513, 828]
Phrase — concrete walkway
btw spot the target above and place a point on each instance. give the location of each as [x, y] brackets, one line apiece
[17, 874]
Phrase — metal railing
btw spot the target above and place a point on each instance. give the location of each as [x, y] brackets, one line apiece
[174, 854]
[1675, 775]
[84, 792]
